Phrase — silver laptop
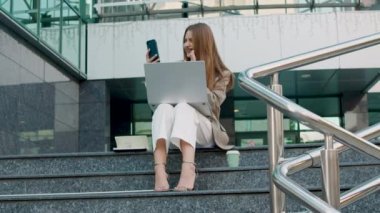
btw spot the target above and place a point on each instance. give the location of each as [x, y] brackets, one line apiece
[177, 82]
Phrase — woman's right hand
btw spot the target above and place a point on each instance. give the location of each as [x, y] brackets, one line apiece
[154, 59]
[191, 55]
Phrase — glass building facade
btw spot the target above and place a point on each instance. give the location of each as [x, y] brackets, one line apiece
[39, 104]
[55, 23]
[245, 117]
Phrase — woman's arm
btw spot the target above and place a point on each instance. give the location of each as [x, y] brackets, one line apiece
[218, 94]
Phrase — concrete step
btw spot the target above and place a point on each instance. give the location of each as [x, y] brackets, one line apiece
[80, 163]
[147, 201]
[221, 178]
[122, 182]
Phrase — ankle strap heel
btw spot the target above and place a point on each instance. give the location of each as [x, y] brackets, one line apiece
[194, 164]
[165, 187]
[183, 188]
[189, 162]
[160, 164]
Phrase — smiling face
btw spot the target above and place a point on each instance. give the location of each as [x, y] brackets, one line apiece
[199, 44]
[188, 43]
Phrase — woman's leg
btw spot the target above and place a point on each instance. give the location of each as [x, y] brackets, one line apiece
[204, 137]
[187, 178]
[162, 123]
[184, 136]
[160, 176]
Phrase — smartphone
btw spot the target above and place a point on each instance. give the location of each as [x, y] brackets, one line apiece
[153, 50]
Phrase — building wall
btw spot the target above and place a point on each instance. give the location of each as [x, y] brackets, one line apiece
[117, 50]
[40, 105]
[43, 110]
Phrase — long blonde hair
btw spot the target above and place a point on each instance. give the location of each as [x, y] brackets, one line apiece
[205, 49]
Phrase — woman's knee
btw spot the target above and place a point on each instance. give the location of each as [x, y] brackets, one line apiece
[183, 108]
[164, 108]
[183, 112]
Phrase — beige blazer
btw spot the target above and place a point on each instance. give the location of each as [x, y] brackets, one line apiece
[216, 98]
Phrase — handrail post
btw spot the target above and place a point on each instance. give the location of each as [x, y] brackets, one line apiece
[330, 173]
[275, 147]
[329, 156]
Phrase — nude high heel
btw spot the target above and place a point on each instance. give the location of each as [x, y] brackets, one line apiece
[182, 188]
[165, 187]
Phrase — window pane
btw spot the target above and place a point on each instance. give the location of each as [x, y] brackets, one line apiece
[250, 125]
[311, 137]
[251, 139]
[50, 25]
[290, 124]
[142, 112]
[251, 142]
[143, 128]
[250, 109]
[325, 107]
[70, 35]
[374, 118]
[374, 102]
[334, 120]
[291, 137]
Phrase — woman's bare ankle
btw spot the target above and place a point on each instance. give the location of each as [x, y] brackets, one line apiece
[160, 177]
[187, 178]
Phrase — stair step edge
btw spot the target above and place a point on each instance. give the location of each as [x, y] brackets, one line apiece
[129, 152]
[138, 193]
[145, 172]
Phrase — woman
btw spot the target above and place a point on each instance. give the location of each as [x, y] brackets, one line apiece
[183, 125]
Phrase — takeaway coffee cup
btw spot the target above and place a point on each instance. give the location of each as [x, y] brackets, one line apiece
[233, 158]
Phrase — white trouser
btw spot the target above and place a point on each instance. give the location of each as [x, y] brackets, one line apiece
[181, 122]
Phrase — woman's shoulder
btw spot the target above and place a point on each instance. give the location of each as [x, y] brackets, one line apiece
[223, 74]
[229, 78]
[226, 73]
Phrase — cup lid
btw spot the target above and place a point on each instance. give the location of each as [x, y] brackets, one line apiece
[233, 152]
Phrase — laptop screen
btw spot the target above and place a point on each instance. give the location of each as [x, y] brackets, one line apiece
[177, 82]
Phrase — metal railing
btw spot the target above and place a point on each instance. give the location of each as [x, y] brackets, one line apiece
[118, 9]
[328, 155]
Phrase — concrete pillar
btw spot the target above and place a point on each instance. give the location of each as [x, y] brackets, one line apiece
[355, 110]
[94, 117]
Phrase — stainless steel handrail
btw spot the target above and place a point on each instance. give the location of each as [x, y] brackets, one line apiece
[296, 191]
[360, 191]
[312, 158]
[367, 133]
[312, 120]
[313, 56]
[307, 117]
